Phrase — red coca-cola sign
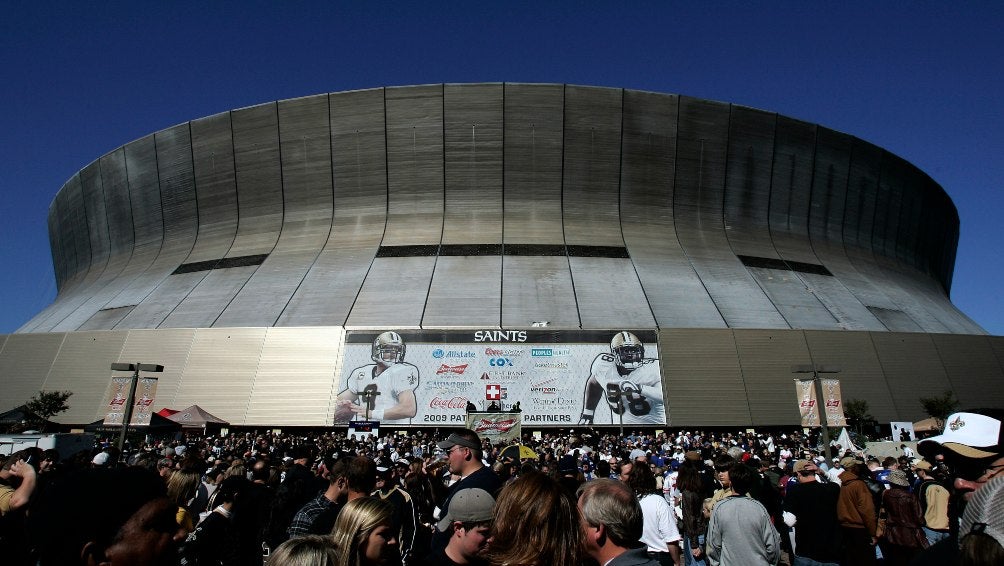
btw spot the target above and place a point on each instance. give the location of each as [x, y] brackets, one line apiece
[455, 403]
[484, 425]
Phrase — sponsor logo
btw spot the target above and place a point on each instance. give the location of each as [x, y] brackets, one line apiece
[543, 389]
[553, 402]
[503, 375]
[445, 384]
[500, 335]
[550, 365]
[453, 403]
[485, 425]
[547, 418]
[493, 392]
[454, 370]
[550, 352]
[500, 362]
[441, 353]
[509, 352]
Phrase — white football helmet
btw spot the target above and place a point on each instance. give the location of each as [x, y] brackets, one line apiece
[627, 349]
[388, 348]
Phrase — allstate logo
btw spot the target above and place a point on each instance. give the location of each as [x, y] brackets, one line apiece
[438, 353]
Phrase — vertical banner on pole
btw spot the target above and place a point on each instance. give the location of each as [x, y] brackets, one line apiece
[833, 403]
[118, 394]
[805, 391]
[146, 394]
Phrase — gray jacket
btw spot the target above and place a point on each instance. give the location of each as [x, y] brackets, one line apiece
[740, 534]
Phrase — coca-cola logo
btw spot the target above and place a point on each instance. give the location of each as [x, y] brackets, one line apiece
[485, 425]
[456, 370]
[454, 403]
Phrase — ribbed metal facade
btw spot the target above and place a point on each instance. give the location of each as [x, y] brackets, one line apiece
[462, 206]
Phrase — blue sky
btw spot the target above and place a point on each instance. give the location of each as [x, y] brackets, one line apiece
[921, 79]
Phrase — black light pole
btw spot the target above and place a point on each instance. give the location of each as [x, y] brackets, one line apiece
[135, 368]
[817, 382]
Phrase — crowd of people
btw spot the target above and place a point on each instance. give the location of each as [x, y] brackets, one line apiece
[430, 498]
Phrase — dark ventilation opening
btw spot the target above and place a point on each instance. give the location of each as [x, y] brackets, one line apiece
[538, 250]
[407, 251]
[222, 263]
[781, 265]
[534, 250]
[598, 251]
[470, 249]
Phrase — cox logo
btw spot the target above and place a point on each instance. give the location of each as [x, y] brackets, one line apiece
[500, 362]
[437, 353]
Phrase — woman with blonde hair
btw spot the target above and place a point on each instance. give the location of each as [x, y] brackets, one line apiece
[364, 533]
[307, 550]
[182, 486]
[535, 523]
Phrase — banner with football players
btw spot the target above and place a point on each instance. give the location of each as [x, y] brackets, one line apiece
[559, 378]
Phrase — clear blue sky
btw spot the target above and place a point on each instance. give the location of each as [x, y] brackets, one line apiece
[924, 80]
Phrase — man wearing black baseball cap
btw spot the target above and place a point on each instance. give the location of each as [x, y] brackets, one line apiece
[463, 454]
[972, 446]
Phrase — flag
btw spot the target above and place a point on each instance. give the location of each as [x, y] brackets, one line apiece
[833, 403]
[805, 391]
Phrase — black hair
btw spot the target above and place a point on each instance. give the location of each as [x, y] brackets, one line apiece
[742, 477]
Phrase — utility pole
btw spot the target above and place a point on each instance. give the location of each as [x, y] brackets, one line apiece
[817, 382]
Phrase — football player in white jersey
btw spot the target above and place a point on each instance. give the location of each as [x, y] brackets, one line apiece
[384, 390]
[629, 382]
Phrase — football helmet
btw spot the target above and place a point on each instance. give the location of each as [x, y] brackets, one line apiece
[388, 348]
[627, 349]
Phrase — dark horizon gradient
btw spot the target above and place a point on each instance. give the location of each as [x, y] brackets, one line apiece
[922, 81]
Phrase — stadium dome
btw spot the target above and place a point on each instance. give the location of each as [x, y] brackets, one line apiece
[259, 254]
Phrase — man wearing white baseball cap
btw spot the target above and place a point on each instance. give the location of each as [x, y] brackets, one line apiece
[972, 446]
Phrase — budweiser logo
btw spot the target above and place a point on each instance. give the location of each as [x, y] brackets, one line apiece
[454, 403]
[485, 425]
[457, 370]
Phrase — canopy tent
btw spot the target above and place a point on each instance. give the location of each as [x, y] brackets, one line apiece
[196, 417]
[165, 412]
[20, 418]
[844, 440]
[158, 425]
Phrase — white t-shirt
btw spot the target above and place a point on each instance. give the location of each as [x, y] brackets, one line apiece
[660, 523]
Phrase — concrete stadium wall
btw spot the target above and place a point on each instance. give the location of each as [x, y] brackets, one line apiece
[497, 205]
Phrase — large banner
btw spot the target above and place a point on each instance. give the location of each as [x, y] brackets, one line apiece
[902, 431]
[557, 377]
[833, 403]
[146, 394]
[806, 393]
[497, 427]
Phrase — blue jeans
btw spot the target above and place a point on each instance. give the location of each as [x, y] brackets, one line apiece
[688, 558]
[934, 536]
